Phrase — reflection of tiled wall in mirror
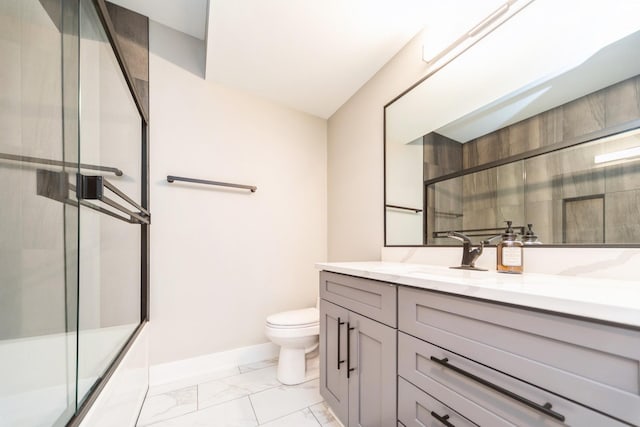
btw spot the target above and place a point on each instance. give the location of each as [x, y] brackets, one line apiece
[132, 30]
[583, 220]
[537, 190]
[614, 105]
[444, 200]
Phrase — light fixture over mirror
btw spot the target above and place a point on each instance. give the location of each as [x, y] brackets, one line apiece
[438, 56]
[552, 76]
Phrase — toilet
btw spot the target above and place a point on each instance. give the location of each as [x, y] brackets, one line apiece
[296, 332]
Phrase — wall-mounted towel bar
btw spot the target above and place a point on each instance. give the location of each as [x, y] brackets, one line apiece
[171, 178]
[404, 208]
[39, 161]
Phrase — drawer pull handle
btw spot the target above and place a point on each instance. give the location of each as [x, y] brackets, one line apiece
[349, 368]
[340, 362]
[443, 419]
[545, 409]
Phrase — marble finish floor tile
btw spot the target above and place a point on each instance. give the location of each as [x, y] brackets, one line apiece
[258, 365]
[282, 400]
[213, 392]
[229, 397]
[303, 418]
[324, 417]
[168, 405]
[235, 413]
[199, 379]
[313, 369]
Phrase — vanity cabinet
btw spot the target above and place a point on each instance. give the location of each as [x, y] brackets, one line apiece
[358, 349]
[500, 365]
[465, 361]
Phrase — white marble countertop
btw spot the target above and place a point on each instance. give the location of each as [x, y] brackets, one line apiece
[609, 300]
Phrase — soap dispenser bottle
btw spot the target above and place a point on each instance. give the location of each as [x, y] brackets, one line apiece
[510, 256]
[529, 238]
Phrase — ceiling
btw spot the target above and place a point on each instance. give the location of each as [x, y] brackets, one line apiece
[308, 55]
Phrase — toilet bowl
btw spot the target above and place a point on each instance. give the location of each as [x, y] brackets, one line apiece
[296, 332]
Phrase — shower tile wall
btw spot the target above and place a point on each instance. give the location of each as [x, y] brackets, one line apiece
[494, 195]
[132, 30]
[444, 201]
[583, 220]
[32, 243]
[510, 193]
[479, 192]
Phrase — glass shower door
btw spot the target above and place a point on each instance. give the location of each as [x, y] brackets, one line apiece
[70, 214]
[38, 219]
[110, 234]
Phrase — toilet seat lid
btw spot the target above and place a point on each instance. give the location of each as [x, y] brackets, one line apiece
[294, 318]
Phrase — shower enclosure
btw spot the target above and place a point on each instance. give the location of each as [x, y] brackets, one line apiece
[73, 209]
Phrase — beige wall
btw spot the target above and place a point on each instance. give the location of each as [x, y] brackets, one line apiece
[222, 260]
[355, 159]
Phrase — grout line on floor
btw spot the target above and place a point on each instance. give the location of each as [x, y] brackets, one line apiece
[314, 415]
[253, 409]
[146, 394]
[283, 416]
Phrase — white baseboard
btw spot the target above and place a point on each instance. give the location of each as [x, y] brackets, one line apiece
[209, 363]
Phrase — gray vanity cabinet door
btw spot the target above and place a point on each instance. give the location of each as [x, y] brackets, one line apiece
[372, 383]
[333, 378]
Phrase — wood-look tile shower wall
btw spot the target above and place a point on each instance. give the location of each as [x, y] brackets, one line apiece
[132, 31]
[555, 184]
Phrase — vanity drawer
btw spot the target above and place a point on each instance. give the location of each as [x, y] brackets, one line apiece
[594, 364]
[447, 376]
[418, 409]
[371, 298]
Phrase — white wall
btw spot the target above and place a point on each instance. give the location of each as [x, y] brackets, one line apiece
[404, 178]
[222, 260]
[355, 159]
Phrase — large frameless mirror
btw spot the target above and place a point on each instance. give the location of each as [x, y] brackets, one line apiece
[534, 128]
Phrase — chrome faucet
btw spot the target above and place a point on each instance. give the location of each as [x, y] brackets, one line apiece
[469, 254]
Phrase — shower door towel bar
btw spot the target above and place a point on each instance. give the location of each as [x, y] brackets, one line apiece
[404, 208]
[92, 188]
[40, 161]
[478, 232]
[56, 186]
[171, 178]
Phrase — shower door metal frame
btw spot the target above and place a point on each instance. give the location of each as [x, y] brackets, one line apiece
[83, 409]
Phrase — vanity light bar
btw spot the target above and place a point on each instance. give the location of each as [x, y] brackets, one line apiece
[617, 155]
[474, 35]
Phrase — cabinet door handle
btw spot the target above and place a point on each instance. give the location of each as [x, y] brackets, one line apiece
[340, 362]
[443, 419]
[349, 368]
[545, 409]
